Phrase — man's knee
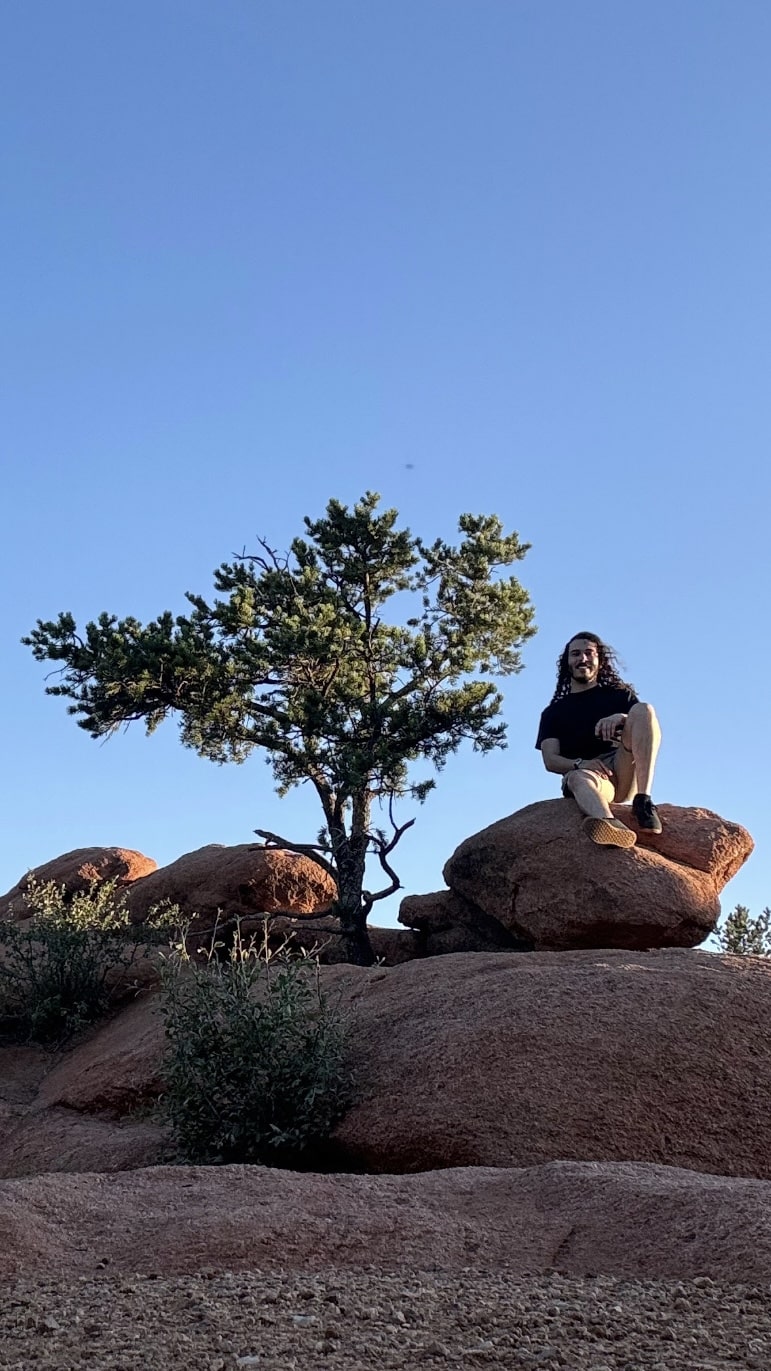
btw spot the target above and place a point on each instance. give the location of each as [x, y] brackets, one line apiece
[642, 713]
[578, 780]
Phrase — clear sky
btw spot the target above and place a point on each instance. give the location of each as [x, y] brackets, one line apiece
[506, 256]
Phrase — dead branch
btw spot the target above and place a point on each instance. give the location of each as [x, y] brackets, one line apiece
[382, 848]
[274, 842]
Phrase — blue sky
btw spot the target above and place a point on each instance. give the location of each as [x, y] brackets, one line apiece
[508, 256]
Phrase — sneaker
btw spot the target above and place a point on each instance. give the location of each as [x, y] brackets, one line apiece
[609, 832]
[646, 814]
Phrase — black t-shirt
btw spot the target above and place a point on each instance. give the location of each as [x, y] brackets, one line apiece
[573, 719]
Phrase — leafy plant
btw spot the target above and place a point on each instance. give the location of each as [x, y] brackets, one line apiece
[256, 1056]
[298, 658]
[58, 968]
[742, 934]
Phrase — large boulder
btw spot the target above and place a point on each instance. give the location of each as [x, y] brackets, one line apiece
[480, 1059]
[540, 877]
[445, 922]
[504, 1059]
[234, 882]
[77, 871]
[85, 1109]
[116, 1071]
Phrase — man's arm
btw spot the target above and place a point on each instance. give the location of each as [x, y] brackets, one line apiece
[552, 758]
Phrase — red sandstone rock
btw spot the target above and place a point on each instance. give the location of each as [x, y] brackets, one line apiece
[445, 922]
[484, 1059]
[81, 1109]
[539, 875]
[49, 1103]
[65, 1141]
[510, 1059]
[577, 1219]
[393, 946]
[116, 1070]
[321, 937]
[77, 871]
[435, 913]
[696, 838]
[239, 881]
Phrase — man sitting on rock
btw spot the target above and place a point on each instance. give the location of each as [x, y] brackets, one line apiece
[599, 737]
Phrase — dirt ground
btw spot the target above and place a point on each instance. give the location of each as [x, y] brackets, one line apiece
[343, 1322]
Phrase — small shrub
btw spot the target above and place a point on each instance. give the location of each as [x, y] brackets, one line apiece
[744, 935]
[256, 1056]
[56, 967]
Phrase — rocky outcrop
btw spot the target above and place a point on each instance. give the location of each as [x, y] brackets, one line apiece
[320, 936]
[502, 1059]
[77, 871]
[445, 922]
[234, 882]
[83, 1109]
[573, 1218]
[539, 877]
[480, 1059]
[115, 1072]
[63, 1140]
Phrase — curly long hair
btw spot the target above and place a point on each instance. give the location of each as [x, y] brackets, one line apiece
[608, 674]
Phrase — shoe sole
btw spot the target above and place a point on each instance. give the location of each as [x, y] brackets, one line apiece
[609, 834]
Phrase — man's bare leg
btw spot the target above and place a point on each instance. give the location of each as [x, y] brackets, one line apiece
[642, 738]
[637, 754]
[592, 793]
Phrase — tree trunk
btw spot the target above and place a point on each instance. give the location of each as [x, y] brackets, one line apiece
[349, 909]
[353, 926]
[357, 944]
[349, 854]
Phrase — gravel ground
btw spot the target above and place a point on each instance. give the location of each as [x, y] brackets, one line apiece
[345, 1321]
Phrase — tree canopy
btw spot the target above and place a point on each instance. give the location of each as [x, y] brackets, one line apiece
[294, 657]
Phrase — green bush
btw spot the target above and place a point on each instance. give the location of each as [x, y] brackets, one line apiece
[256, 1057]
[744, 935]
[57, 969]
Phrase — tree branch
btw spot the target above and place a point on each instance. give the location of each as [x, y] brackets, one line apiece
[382, 849]
[403, 690]
[310, 850]
[272, 561]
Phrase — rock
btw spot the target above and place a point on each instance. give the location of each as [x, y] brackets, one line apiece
[448, 923]
[116, 1070]
[77, 871]
[86, 1113]
[503, 1059]
[62, 1140]
[544, 881]
[22, 1068]
[578, 1219]
[393, 946]
[321, 937]
[480, 1059]
[126, 980]
[239, 881]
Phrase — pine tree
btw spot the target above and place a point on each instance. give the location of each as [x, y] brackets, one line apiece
[745, 935]
[296, 658]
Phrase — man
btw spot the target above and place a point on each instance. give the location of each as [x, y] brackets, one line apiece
[599, 737]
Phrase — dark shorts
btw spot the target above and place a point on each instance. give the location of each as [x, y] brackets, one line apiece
[606, 762]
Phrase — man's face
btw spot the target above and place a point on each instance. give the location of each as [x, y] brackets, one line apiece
[583, 661]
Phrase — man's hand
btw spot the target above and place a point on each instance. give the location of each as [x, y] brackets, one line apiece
[609, 729]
